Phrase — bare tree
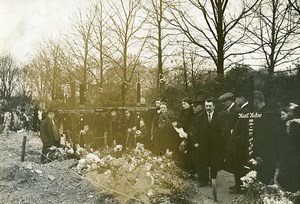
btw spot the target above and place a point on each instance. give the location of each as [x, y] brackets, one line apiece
[125, 47]
[276, 33]
[156, 10]
[44, 73]
[211, 25]
[79, 46]
[295, 4]
[99, 39]
[9, 72]
[190, 67]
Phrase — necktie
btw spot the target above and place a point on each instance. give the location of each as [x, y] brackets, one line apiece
[209, 117]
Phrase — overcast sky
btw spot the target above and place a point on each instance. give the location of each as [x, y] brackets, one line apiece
[24, 23]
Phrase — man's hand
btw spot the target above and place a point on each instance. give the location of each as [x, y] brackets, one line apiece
[196, 145]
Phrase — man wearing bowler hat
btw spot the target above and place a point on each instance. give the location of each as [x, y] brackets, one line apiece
[49, 134]
[228, 119]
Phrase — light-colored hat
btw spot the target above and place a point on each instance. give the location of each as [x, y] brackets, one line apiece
[226, 96]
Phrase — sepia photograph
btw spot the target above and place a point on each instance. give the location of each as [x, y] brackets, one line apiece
[150, 101]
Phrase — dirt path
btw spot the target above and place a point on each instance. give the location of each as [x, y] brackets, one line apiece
[58, 182]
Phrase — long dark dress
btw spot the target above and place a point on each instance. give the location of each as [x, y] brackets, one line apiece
[289, 176]
[186, 117]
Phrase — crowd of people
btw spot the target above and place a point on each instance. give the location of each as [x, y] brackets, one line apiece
[206, 137]
[16, 119]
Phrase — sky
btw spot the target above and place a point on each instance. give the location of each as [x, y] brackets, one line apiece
[25, 23]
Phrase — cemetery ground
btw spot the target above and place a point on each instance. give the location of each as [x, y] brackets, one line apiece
[111, 177]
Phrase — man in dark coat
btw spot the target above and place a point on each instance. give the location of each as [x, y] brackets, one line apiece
[49, 135]
[240, 143]
[209, 143]
[113, 129]
[228, 118]
[266, 138]
[152, 124]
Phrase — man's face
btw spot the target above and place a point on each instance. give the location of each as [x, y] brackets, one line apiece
[239, 100]
[185, 105]
[86, 128]
[197, 108]
[226, 104]
[163, 108]
[209, 106]
[51, 115]
[255, 105]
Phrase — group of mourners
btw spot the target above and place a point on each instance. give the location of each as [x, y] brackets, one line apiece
[235, 139]
[203, 140]
[14, 120]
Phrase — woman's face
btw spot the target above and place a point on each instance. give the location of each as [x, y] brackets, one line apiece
[185, 105]
[283, 115]
[113, 113]
[174, 123]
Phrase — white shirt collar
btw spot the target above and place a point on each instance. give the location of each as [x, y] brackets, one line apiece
[211, 113]
[244, 104]
[228, 109]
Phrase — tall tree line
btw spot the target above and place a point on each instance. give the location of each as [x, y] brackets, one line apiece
[114, 43]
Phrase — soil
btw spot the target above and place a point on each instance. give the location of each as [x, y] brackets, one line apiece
[64, 182]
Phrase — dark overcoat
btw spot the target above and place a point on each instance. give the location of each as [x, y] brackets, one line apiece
[49, 133]
[209, 140]
[228, 119]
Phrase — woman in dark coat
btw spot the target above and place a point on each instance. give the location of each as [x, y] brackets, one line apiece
[289, 176]
[185, 119]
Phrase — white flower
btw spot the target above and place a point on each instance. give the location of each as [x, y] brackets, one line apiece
[52, 148]
[249, 179]
[132, 167]
[81, 164]
[71, 151]
[252, 174]
[253, 161]
[107, 172]
[118, 148]
[150, 193]
[266, 199]
[79, 150]
[169, 153]
[148, 166]
[92, 158]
